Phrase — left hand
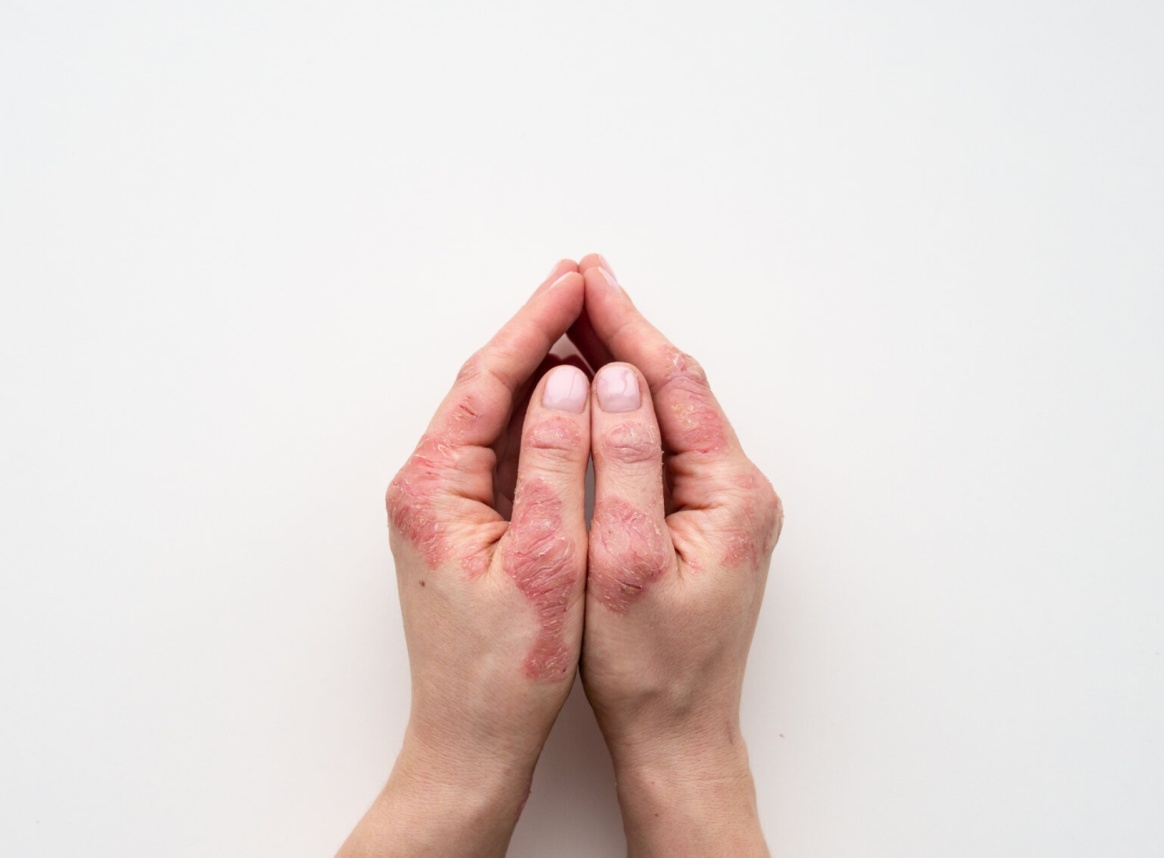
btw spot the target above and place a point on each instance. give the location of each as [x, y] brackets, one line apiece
[487, 528]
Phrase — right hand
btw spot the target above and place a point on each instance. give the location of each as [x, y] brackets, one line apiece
[679, 547]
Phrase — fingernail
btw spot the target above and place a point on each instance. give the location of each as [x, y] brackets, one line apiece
[618, 389]
[606, 265]
[610, 281]
[560, 279]
[566, 389]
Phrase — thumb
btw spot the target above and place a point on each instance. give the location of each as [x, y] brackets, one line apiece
[544, 549]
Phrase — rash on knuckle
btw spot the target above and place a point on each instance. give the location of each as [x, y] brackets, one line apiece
[411, 499]
[628, 552]
[632, 442]
[691, 411]
[556, 436]
[685, 370]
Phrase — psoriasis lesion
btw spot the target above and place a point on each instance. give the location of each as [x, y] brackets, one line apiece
[411, 495]
[555, 433]
[695, 417]
[541, 560]
[631, 442]
[629, 552]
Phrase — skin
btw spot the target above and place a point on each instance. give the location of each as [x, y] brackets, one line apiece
[680, 543]
[499, 582]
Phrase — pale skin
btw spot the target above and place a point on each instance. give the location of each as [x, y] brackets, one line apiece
[500, 582]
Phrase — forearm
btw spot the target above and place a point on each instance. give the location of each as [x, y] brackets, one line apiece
[432, 807]
[681, 801]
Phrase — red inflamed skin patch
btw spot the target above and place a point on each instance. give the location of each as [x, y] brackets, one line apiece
[695, 418]
[412, 494]
[629, 552]
[540, 558]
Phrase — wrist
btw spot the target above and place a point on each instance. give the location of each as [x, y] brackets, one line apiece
[691, 794]
[438, 801]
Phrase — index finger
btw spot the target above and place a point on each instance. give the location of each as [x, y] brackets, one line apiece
[449, 477]
[476, 410]
[690, 418]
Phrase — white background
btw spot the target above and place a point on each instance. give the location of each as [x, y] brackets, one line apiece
[917, 246]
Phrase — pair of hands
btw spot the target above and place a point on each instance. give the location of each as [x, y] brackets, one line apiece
[500, 583]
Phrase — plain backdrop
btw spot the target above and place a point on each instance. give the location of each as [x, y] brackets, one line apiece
[918, 246]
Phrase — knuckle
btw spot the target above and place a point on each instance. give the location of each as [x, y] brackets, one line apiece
[765, 493]
[470, 369]
[628, 552]
[685, 370]
[776, 521]
[393, 498]
[556, 438]
[631, 443]
[767, 510]
[624, 536]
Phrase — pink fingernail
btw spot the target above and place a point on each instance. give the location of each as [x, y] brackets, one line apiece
[560, 279]
[606, 265]
[610, 281]
[566, 389]
[618, 389]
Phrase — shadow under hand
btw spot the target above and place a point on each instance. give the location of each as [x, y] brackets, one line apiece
[572, 810]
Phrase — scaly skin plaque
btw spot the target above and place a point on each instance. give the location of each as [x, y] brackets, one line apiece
[411, 507]
[632, 441]
[629, 551]
[413, 492]
[555, 433]
[539, 557]
[695, 416]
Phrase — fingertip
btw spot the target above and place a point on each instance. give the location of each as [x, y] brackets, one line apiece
[582, 364]
[565, 277]
[590, 260]
[566, 389]
[562, 266]
[601, 286]
[567, 289]
[618, 388]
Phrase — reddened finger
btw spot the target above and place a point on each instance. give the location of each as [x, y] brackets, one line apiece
[447, 483]
[544, 549]
[630, 547]
[478, 407]
[690, 417]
